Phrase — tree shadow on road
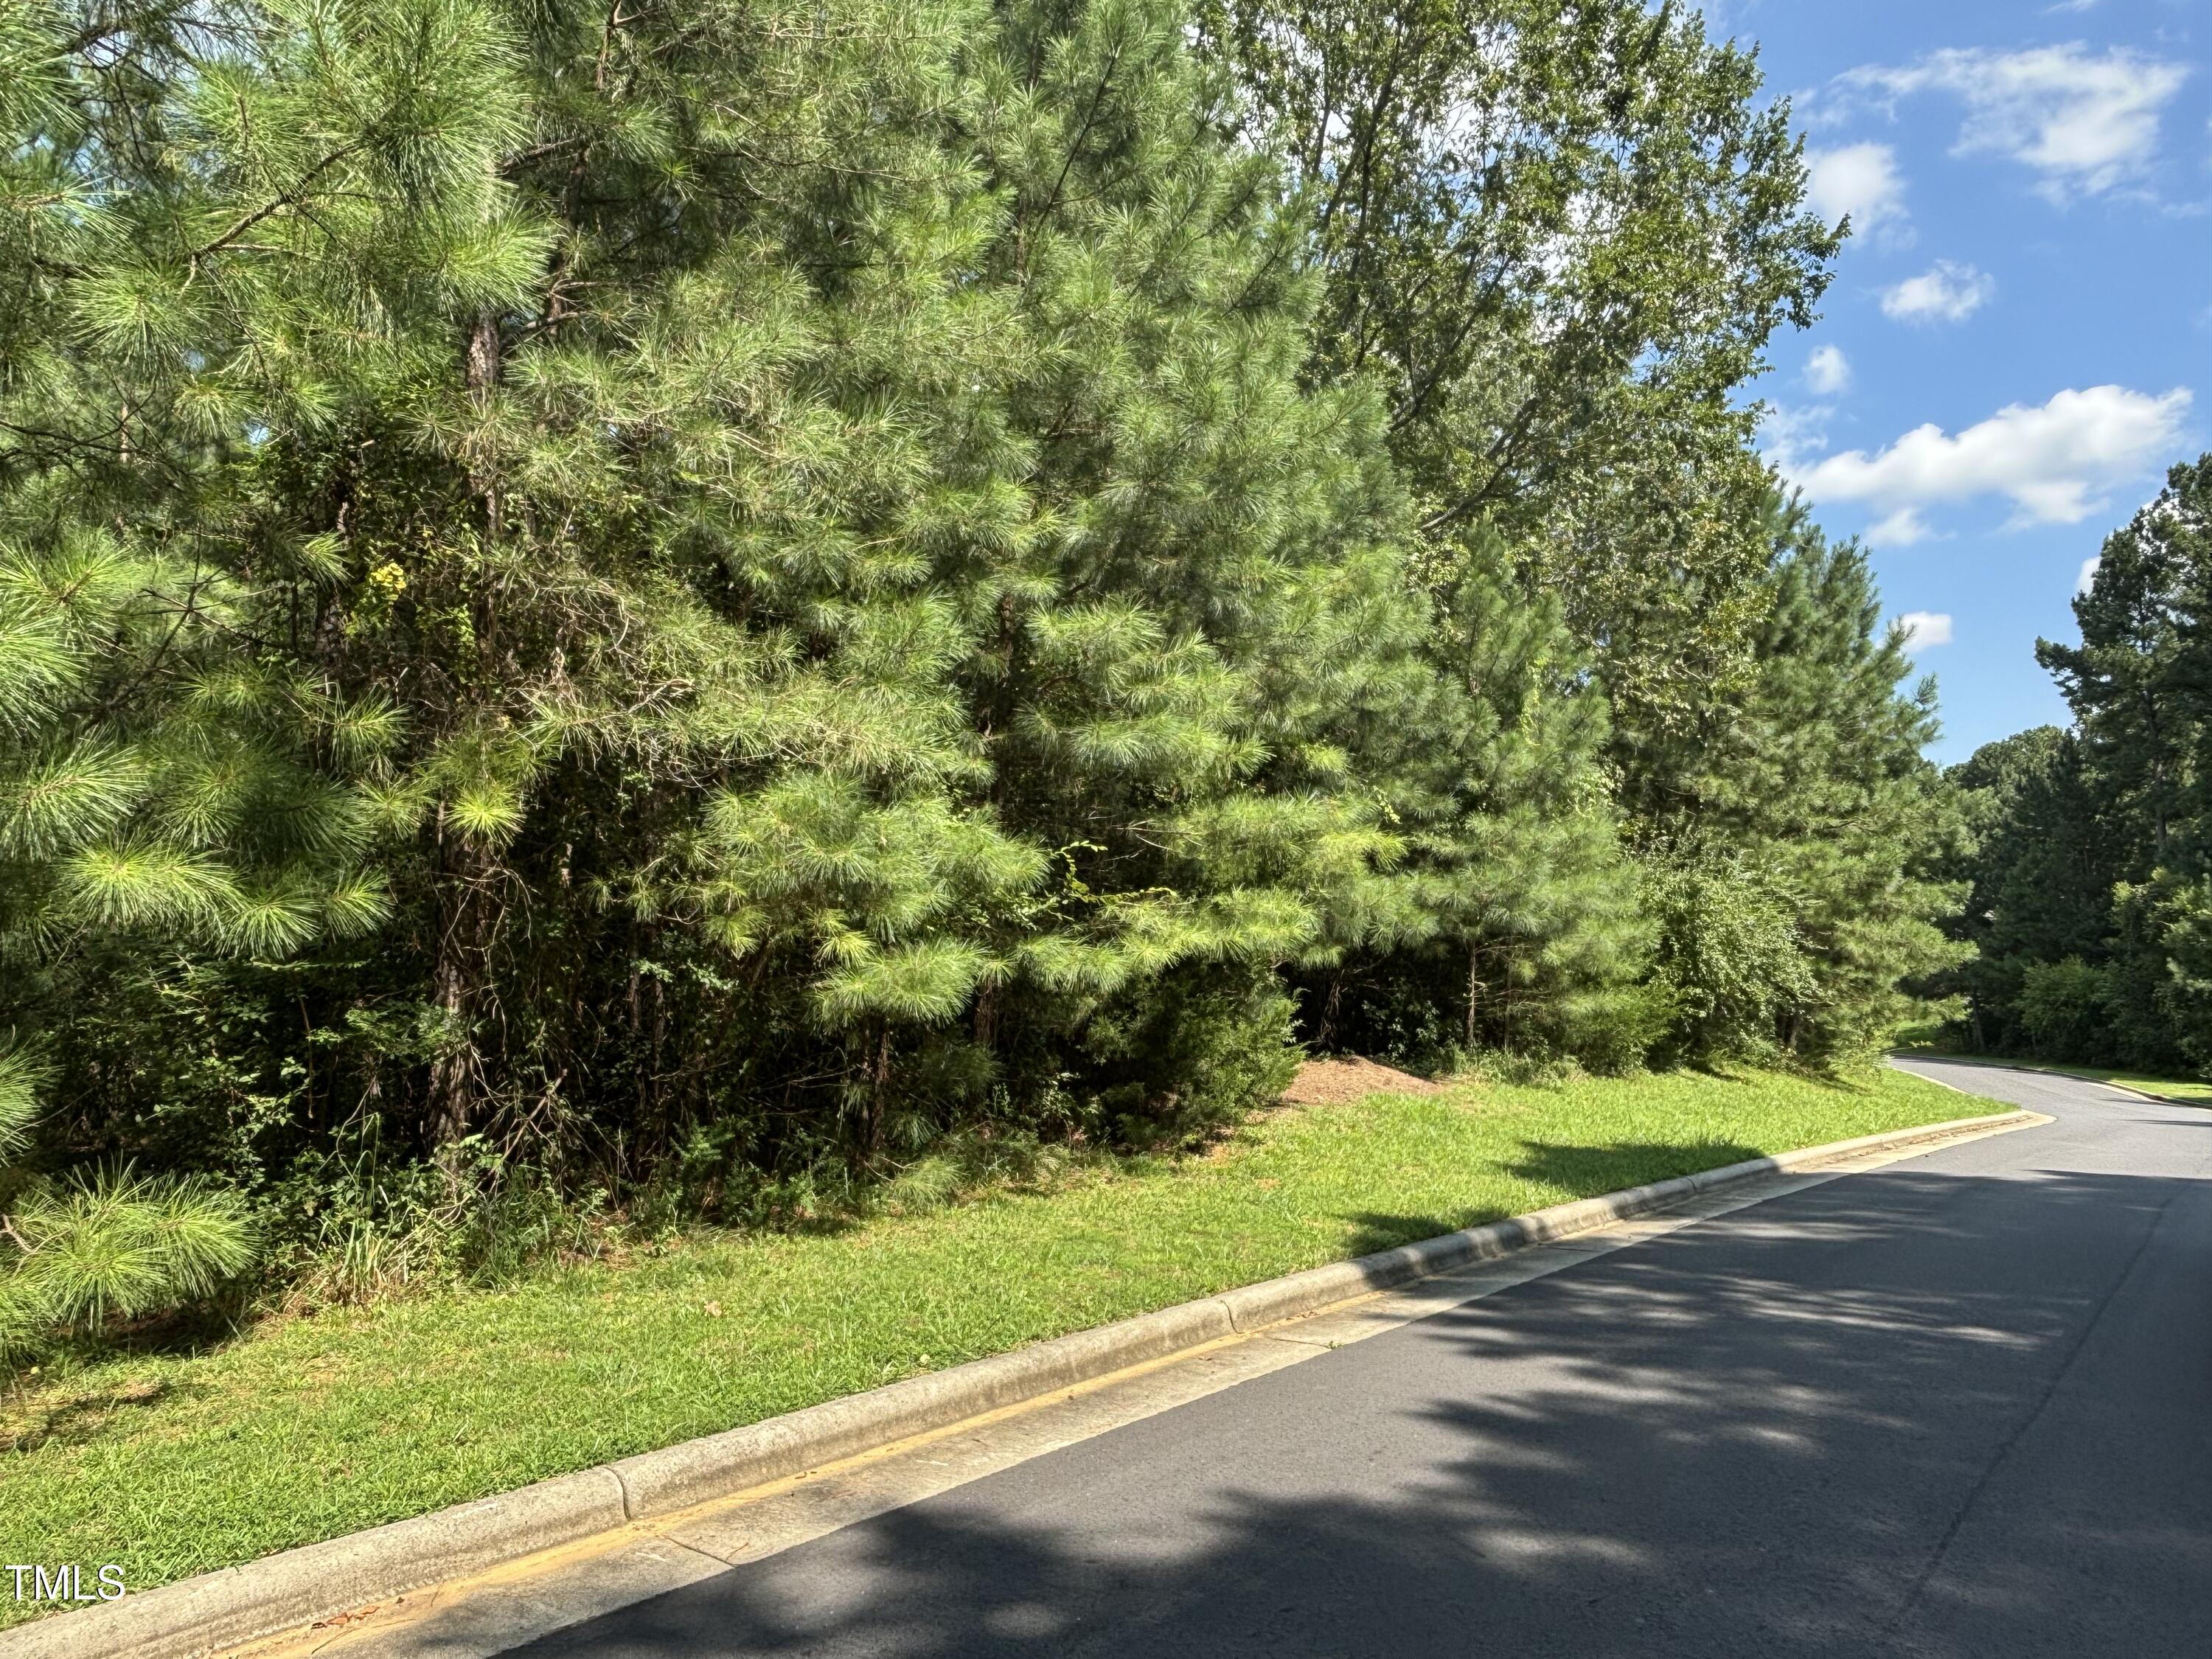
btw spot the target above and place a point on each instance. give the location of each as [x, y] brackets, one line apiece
[1800, 1431]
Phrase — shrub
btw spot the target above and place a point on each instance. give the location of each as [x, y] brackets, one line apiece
[2065, 1009]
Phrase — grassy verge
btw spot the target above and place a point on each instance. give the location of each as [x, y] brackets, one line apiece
[315, 1426]
[2194, 1091]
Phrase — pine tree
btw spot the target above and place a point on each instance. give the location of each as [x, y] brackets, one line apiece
[2092, 884]
[171, 785]
[795, 537]
[1512, 919]
[1802, 843]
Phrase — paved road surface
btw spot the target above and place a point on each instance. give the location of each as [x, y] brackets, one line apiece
[1958, 1406]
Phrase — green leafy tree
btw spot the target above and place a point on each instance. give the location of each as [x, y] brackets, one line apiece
[2041, 873]
[2062, 1006]
[1559, 237]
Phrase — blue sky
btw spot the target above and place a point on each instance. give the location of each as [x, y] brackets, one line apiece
[2019, 339]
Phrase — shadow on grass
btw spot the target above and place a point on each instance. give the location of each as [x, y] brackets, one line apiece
[1589, 1171]
[1373, 1230]
[77, 1418]
[1845, 1082]
[1576, 1172]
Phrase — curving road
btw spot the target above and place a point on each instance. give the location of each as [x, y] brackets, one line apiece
[1961, 1405]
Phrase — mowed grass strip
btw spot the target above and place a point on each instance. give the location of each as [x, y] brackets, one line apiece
[311, 1427]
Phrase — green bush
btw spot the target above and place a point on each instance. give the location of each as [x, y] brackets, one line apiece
[1728, 959]
[1190, 1054]
[2065, 1009]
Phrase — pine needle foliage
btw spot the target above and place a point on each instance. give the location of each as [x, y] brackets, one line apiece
[2092, 905]
[738, 586]
[1800, 848]
[82, 1252]
[774, 554]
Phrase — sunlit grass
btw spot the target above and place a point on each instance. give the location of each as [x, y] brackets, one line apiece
[307, 1428]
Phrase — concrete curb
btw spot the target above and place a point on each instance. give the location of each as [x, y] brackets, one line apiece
[293, 1588]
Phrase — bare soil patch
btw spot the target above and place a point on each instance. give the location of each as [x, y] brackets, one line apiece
[1346, 1077]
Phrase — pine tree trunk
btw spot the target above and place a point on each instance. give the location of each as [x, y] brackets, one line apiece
[880, 1074]
[461, 963]
[460, 969]
[480, 371]
[1473, 990]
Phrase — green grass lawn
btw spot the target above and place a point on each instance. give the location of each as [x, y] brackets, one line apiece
[2194, 1091]
[310, 1427]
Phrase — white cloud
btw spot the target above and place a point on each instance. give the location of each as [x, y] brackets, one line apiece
[1827, 371]
[1860, 181]
[2050, 462]
[2088, 572]
[2084, 123]
[1900, 529]
[1947, 293]
[1924, 627]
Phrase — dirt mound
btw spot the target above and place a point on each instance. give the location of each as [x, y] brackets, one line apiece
[1347, 1077]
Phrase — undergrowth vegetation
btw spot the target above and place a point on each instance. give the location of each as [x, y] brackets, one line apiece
[172, 1461]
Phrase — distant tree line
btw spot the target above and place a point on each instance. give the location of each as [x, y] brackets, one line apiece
[2091, 906]
[694, 592]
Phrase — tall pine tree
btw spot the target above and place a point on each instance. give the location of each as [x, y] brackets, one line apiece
[1800, 844]
[2094, 882]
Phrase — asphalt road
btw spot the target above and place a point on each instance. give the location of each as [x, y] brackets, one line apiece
[1958, 1405]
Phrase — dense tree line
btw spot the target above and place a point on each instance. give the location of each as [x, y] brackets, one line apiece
[2091, 908]
[691, 592]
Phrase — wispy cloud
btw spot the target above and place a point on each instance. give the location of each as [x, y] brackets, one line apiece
[1899, 529]
[1948, 292]
[2086, 122]
[2050, 462]
[1793, 436]
[1827, 371]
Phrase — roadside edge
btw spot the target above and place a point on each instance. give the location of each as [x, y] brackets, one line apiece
[294, 1588]
[2026, 1070]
